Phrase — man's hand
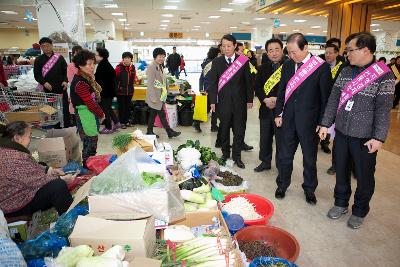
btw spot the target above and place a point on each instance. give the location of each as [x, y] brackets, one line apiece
[249, 105]
[212, 106]
[65, 85]
[270, 102]
[323, 132]
[48, 86]
[373, 145]
[278, 122]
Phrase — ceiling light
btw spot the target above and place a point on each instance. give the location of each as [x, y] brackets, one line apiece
[296, 30]
[283, 32]
[170, 7]
[88, 24]
[122, 19]
[20, 27]
[205, 22]
[240, 1]
[299, 20]
[376, 30]
[163, 29]
[117, 14]
[254, 28]
[125, 24]
[283, 25]
[233, 27]
[207, 34]
[375, 24]
[4, 23]
[141, 33]
[110, 6]
[167, 15]
[259, 18]
[196, 26]
[324, 31]
[214, 17]
[315, 27]
[8, 12]
[310, 33]
[245, 22]
[173, 1]
[165, 20]
[163, 25]
[195, 29]
[224, 9]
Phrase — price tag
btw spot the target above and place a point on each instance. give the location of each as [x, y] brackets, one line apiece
[349, 105]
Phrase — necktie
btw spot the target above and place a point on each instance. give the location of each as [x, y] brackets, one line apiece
[275, 67]
[299, 65]
[229, 61]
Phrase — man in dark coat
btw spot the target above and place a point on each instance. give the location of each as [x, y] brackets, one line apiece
[232, 100]
[300, 116]
[55, 80]
[173, 63]
[274, 48]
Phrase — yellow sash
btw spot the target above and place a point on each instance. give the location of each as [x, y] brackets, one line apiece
[273, 80]
[252, 68]
[335, 69]
[395, 71]
[207, 68]
[159, 85]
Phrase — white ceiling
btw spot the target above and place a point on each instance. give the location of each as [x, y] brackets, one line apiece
[146, 16]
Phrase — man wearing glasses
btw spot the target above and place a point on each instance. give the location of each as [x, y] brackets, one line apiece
[360, 105]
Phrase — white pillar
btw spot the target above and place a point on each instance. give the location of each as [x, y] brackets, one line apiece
[104, 30]
[61, 20]
[261, 34]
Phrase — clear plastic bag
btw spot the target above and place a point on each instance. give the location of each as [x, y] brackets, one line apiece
[122, 184]
[212, 169]
[10, 255]
[3, 226]
[230, 189]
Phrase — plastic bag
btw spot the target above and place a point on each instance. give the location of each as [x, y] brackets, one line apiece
[123, 185]
[200, 108]
[98, 163]
[230, 189]
[46, 244]
[39, 263]
[10, 255]
[74, 166]
[212, 169]
[4, 232]
[66, 222]
[262, 261]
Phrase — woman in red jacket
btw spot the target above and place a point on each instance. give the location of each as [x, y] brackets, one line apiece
[182, 66]
[3, 76]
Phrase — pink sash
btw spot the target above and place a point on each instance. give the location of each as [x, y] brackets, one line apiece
[48, 66]
[302, 74]
[362, 80]
[231, 71]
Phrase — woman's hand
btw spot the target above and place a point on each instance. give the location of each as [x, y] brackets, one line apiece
[55, 172]
[68, 178]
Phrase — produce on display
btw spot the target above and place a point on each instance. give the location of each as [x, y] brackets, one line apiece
[189, 157]
[121, 141]
[193, 197]
[69, 257]
[151, 178]
[240, 205]
[229, 179]
[206, 153]
[256, 248]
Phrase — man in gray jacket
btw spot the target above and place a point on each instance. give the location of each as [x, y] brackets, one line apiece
[362, 120]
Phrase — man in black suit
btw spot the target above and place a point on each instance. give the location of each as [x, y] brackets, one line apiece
[300, 117]
[232, 101]
[337, 42]
[274, 48]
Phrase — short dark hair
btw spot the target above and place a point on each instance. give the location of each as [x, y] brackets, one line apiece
[174, 47]
[240, 44]
[103, 52]
[334, 40]
[127, 54]
[335, 47]
[299, 39]
[14, 128]
[273, 40]
[76, 49]
[365, 39]
[158, 51]
[393, 58]
[382, 58]
[229, 37]
[349, 38]
[45, 40]
[212, 52]
[82, 57]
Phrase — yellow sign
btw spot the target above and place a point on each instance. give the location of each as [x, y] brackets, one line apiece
[335, 69]
[273, 80]
[176, 35]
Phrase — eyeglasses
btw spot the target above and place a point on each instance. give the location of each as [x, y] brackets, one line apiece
[348, 50]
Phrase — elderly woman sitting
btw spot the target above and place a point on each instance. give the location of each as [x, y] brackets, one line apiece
[25, 185]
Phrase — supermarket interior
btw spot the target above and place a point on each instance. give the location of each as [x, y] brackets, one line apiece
[199, 133]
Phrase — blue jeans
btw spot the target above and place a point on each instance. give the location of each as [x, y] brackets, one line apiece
[176, 73]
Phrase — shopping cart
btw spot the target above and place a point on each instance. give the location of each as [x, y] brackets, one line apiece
[40, 109]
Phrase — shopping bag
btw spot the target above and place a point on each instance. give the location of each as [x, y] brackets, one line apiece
[157, 121]
[200, 108]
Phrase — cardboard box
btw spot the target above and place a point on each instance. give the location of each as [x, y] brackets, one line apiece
[146, 146]
[144, 262]
[137, 237]
[35, 114]
[59, 146]
[18, 230]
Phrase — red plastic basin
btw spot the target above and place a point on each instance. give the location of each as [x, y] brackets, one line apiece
[285, 244]
[263, 206]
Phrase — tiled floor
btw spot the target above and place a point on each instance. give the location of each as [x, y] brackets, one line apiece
[324, 243]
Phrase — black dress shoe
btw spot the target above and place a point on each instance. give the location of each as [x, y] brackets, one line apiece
[152, 133]
[173, 133]
[262, 167]
[225, 157]
[218, 144]
[246, 147]
[240, 163]
[310, 198]
[214, 129]
[326, 149]
[198, 129]
[280, 193]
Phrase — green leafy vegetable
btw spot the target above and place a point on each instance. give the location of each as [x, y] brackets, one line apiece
[121, 141]
[151, 178]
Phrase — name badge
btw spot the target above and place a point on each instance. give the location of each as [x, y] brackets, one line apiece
[349, 105]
